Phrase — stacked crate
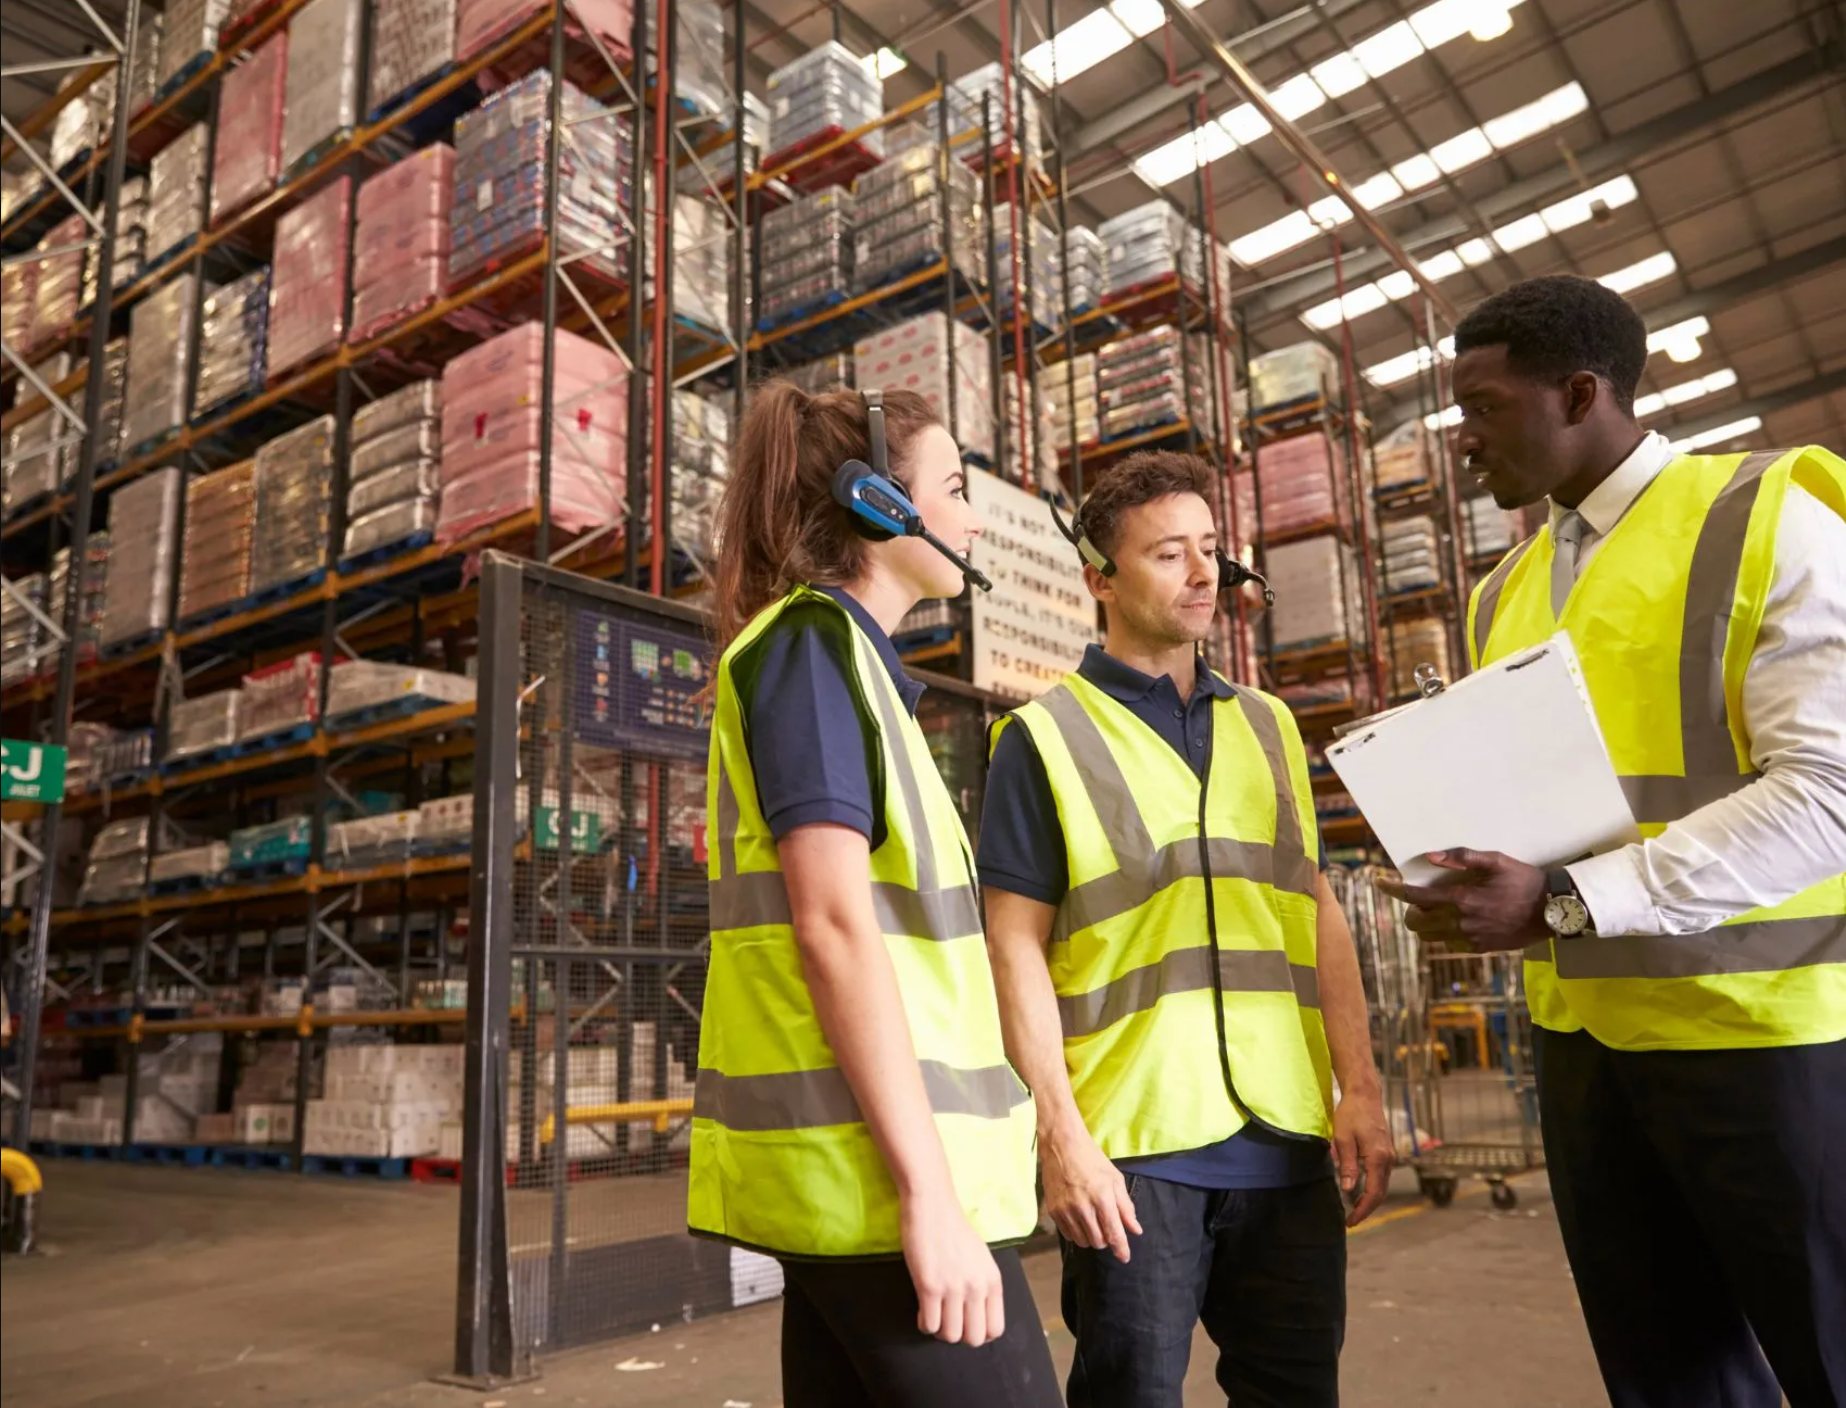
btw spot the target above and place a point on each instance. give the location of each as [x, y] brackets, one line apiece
[807, 255]
[294, 501]
[401, 253]
[396, 475]
[1290, 374]
[825, 92]
[1151, 379]
[1410, 555]
[412, 41]
[1071, 392]
[233, 342]
[178, 179]
[189, 37]
[159, 350]
[325, 38]
[143, 557]
[219, 540]
[250, 106]
[916, 356]
[899, 227]
[307, 300]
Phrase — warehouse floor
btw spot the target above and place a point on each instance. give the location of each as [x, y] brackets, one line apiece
[167, 1287]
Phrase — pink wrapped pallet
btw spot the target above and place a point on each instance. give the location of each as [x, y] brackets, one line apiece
[249, 154]
[308, 293]
[491, 419]
[403, 239]
[1304, 484]
[481, 23]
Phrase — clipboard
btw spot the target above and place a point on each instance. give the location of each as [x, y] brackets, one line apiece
[1509, 759]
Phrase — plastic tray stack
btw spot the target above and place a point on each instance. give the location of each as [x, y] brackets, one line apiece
[492, 412]
[130, 239]
[1144, 245]
[38, 463]
[159, 345]
[189, 35]
[250, 105]
[402, 239]
[1088, 258]
[500, 150]
[412, 41]
[915, 356]
[294, 497]
[60, 281]
[1142, 382]
[24, 642]
[1488, 529]
[325, 37]
[1316, 582]
[825, 92]
[143, 555]
[899, 230]
[1039, 265]
[307, 300]
[177, 181]
[115, 400]
[701, 262]
[807, 255]
[281, 697]
[233, 342]
[965, 113]
[1293, 373]
[117, 868]
[396, 469]
[1070, 392]
[1304, 486]
[220, 537]
[1410, 555]
[701, 466]
[82, 124]
[144, 67]
[205, 724]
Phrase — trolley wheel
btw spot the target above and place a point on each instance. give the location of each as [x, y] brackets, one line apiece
[1505, 1196]
[1438, 1188]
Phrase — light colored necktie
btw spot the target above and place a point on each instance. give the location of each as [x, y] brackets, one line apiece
[1565, 540]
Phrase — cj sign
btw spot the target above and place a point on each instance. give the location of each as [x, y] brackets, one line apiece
[31, 772]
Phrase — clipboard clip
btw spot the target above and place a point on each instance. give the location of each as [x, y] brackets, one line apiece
[1428, 681]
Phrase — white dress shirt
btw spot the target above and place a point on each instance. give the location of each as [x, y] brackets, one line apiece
[1785, 831]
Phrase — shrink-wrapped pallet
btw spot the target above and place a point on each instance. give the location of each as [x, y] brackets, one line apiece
[219, 539]
[250, 104]
[143, 552]
[307, 300]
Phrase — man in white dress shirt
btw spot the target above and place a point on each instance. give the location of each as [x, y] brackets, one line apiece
[1688, 991]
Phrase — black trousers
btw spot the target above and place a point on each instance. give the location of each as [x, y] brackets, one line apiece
[1702, 1197]
[850, 1340]
[1264, 1270]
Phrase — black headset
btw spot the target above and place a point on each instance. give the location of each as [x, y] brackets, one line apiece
[1231, 573]
[880, 508]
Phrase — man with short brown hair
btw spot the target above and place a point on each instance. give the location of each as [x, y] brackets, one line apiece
[1177, 984]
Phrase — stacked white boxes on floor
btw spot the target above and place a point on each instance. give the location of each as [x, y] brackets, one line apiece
[385, 1100]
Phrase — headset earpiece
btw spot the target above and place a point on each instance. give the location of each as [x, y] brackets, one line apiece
[1080, 540]
[880, 508]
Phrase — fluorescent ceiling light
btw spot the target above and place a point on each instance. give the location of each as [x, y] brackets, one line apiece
[1442, 266]
[1401, 368]
[1638, 275]
[1686, 391]
[885, 63]
[1461, 151]
[1719, 434]
[1558, 106]
[1099, 34]
[1528, 229]
[1381, 189]
[1292, 229]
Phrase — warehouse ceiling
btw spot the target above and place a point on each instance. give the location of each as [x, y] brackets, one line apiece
[1695, 150]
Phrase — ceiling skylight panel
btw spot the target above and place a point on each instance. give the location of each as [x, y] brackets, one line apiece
[1381, 189]
[1079, 47]
[1388, 50]
[1437, 24]
[1298, 97]
[1445, 265]
[1461, 151]
[1339, 75]
[1650, 270]
[1718, 435]
[1245, 124]
[1528, 229]
[1139, 17]
[1292, 229]
[1558, 106]
[1415, 172]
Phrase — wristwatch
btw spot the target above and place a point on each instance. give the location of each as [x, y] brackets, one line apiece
[1566, 915]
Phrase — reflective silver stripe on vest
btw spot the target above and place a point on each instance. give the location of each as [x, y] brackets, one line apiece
[1186, 970]
[761, 897]
[1489, 600]
[1292, 870]
[1711, 588]
[926, 912]
[1660, 799]
[813, 1099]
[1761, 946]
[1142, 870]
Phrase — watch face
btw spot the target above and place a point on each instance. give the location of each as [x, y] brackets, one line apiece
[1566, 916]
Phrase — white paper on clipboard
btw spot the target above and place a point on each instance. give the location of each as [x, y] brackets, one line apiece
[1510, 759]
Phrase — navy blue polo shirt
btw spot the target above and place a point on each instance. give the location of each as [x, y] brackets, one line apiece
[806, 740]
[1022, 851]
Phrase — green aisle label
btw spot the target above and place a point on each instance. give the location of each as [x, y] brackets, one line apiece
[31, 772]
[586, 830]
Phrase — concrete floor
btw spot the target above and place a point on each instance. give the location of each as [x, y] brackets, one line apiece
[163, 1287]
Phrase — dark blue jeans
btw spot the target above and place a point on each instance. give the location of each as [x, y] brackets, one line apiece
[1264, 1269]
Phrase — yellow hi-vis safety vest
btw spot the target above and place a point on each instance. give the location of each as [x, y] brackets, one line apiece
[782, 1159]
[1187, 1006]
[1664, 619]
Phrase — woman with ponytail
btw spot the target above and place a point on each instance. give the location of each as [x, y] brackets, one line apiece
[855, 1115]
